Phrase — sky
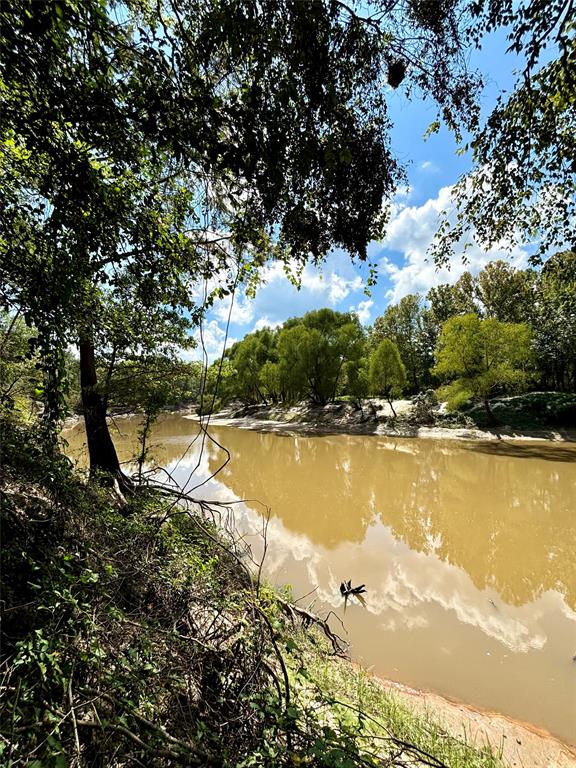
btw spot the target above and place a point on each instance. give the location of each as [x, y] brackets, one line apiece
[403, 267]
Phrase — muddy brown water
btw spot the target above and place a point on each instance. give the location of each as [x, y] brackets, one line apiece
[467, 550]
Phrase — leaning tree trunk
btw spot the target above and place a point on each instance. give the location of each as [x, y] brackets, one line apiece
[101, 450]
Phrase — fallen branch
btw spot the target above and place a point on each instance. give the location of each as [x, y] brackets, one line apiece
[338, 645]
[74, 723]
[186, 759]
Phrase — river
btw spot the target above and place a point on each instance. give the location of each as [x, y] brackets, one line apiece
[467, 550]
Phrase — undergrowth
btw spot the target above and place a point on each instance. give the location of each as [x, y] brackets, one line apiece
[534, 410]
[133, 634]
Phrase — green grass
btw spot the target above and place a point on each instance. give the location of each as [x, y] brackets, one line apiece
[359, 698]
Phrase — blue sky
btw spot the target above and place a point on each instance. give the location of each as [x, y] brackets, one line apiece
[432, 167]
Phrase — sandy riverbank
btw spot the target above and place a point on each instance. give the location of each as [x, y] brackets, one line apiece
[522, 745]
[377, 419]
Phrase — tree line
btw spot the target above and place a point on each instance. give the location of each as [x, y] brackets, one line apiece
[502, 330]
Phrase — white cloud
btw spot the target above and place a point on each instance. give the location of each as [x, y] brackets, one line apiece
[428, 166]
[334, 286]
[265, 322]
[412, 587]
[277, 298]
[328, 279]
[411, 231]
[340, 287]
[213, 338]
[363, 310]
[242, 310]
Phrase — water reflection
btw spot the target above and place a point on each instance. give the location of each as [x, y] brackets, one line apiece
[535, 450]
[510, 524]
[468, 551]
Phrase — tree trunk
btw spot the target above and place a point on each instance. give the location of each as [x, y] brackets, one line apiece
[335, 389]
[489, 412]
[103, 456]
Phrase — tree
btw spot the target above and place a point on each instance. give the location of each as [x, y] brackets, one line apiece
[499, 290]
[216, 385]
[247, 358]
[129, 338]
[481, 357]
[149, 384]
[19, 376]
[164, 143]
[555, 321]
[291, 368]
[269, 378]
[465, 294]
[543, 299]
[505, 293]
[408, 326]
[443, 303]
[314, 351]
[357, 382]
[387, 373]
[523, 184]
[446, 301]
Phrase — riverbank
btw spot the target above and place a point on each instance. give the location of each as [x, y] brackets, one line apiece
[536, 416]
[521, 745]
[404, 418]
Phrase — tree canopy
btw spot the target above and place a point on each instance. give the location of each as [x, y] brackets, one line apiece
[18, 374]
[523, 184]
[326, 354]
[482, 357]
[387, 373]
[154, 154]
[309, 357]
[555, 321]
[408, 324]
